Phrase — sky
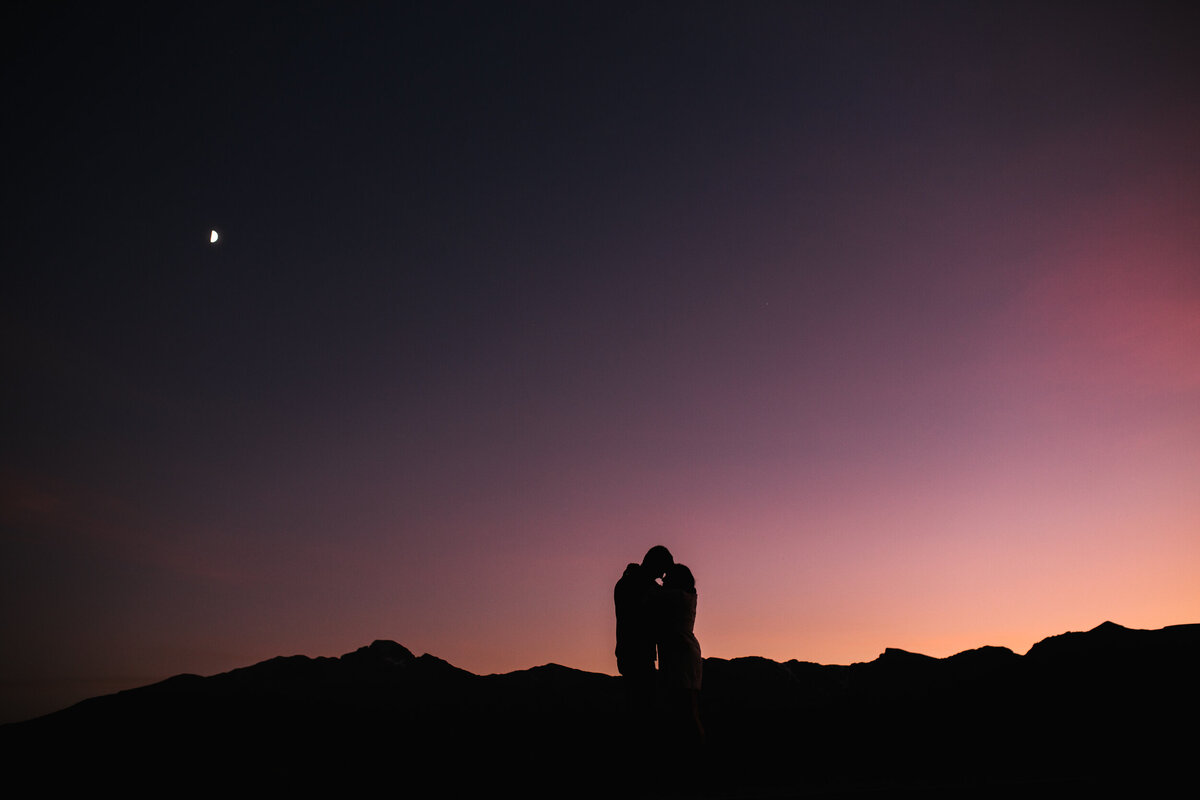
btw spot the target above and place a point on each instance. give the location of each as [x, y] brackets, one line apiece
[884, 317]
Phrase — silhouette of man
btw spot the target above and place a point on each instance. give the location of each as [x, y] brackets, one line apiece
[634, 596]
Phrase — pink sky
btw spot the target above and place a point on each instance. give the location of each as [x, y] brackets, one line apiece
[890, 330]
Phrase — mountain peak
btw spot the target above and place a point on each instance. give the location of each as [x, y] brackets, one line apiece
[383, 651]
[895, 655]
[1106, 637]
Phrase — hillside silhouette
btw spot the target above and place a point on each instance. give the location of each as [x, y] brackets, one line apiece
[1079, 711]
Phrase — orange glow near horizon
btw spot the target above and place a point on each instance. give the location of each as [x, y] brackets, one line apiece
[886, 322]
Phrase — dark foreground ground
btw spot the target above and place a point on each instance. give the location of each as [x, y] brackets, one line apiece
[1081, 713]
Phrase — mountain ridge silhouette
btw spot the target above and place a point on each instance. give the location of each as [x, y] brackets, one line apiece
[1077, 711]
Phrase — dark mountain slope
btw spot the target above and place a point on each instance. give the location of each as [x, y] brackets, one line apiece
[1079, 711]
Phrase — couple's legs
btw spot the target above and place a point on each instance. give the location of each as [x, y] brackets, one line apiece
[640, 685]
[682, 707]
[638, 746]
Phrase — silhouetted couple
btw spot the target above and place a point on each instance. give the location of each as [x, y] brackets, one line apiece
[659, 618]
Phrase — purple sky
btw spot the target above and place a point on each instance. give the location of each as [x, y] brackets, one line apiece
[883, 317]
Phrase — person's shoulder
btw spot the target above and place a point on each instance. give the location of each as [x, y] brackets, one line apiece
[632, 573]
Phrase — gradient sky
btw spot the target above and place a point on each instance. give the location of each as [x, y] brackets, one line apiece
[883, 317]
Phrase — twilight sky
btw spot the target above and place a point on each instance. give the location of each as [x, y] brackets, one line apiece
[883, 317]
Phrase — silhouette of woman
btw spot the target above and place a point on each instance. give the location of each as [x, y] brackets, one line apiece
[679, 663]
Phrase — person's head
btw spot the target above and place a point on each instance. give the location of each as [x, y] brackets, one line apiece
[657, 560]
[679, 577]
